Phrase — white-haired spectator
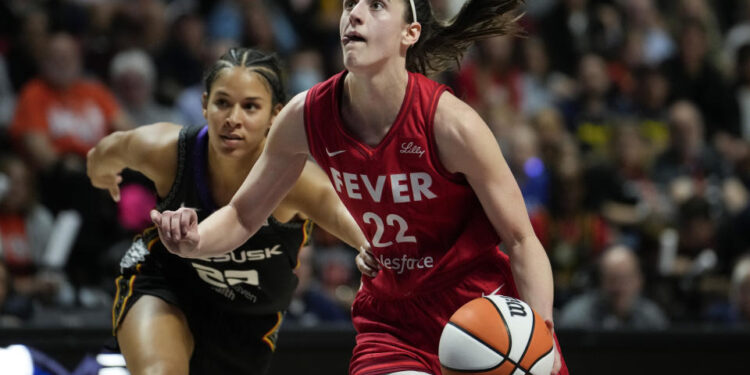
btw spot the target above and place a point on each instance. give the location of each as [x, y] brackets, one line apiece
[133, 76]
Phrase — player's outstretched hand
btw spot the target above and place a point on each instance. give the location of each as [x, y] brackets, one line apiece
[366, 262]
[178, 231]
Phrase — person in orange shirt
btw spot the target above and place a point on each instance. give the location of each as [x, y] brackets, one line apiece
[61, 113]
[59, 116]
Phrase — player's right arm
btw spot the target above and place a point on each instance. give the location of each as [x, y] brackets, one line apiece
[268, 182]
[149, 149]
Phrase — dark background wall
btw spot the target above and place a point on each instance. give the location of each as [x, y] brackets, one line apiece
[326, 350]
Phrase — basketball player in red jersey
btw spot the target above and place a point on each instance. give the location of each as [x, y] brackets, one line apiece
[419, 171]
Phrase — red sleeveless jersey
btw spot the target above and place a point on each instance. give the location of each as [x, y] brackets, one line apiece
[426, 225]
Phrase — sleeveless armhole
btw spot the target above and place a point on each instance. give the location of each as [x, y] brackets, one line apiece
[435, 156]
[181, 157]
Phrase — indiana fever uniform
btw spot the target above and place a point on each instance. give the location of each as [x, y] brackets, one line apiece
[234, 302]
[437, 248]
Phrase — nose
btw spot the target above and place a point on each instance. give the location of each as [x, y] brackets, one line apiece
[355, 15]
[235, 116]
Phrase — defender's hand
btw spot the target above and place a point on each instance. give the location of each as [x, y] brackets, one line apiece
[108, 182]
[178, 231]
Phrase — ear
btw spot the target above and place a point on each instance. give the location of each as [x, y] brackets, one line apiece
[204, 104]
[275, 112]
[412, 33]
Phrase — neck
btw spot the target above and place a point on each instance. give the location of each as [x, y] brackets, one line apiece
[227, 172]
[371, 102]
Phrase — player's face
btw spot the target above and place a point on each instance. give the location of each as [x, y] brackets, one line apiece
[239, 111]
[371, 31]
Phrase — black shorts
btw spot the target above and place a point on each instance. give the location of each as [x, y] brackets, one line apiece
[225, 343]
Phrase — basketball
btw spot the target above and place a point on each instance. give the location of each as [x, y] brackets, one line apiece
[496, 335]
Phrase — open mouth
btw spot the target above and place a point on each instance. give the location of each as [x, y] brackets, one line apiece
[231, 137]
[352, 37]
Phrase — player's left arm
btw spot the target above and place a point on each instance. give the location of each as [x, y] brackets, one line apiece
[314, 197]
[467, 146]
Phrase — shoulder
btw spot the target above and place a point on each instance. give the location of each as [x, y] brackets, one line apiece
[160, 133]
[152, 145]
[454, 118]
[297, 103]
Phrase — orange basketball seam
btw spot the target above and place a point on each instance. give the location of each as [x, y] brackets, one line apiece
[505, 357]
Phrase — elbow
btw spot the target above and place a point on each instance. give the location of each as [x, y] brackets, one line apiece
[520, 242]
[244, 217]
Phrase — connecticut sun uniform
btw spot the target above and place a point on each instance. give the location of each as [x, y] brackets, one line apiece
[234, 303]
[436, 247]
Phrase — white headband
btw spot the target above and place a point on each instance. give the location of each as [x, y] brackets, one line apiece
[413, 10]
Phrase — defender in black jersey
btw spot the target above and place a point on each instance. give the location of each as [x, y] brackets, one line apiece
[217, 315]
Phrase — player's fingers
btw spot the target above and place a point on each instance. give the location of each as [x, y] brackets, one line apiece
[114, 192]
[164, 225]
[175, 226]
[155, 217]
[364, 268]
[184, 223]
[369, 258]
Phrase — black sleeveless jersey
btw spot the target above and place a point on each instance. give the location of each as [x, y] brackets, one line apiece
[255, 278]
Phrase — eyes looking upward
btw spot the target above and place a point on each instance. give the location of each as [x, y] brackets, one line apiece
[374, 4]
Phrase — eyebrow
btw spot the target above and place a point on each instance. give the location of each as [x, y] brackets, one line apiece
[220, 92]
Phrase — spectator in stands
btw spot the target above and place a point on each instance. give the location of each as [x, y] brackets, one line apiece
[180, 62]
[693, 76]
[650, 107]
[14, 309]
[25, 229]
[305, 70]
[620, 189]
[133, 77]
[617, 303]
[491, 83]
[525, 161]
[644, 18]
[62, 114]
[59, 116]
[688, 166]
[591, 114]
[572, 234]
[543, 87]
[567, 31]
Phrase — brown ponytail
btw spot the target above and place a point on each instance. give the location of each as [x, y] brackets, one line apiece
[442, 44]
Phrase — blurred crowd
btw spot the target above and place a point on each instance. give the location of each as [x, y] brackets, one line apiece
[625, 122]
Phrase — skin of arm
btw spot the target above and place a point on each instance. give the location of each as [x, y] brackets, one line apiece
[150, 149]
[269, 181]
[467, 146]
[313, 196]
